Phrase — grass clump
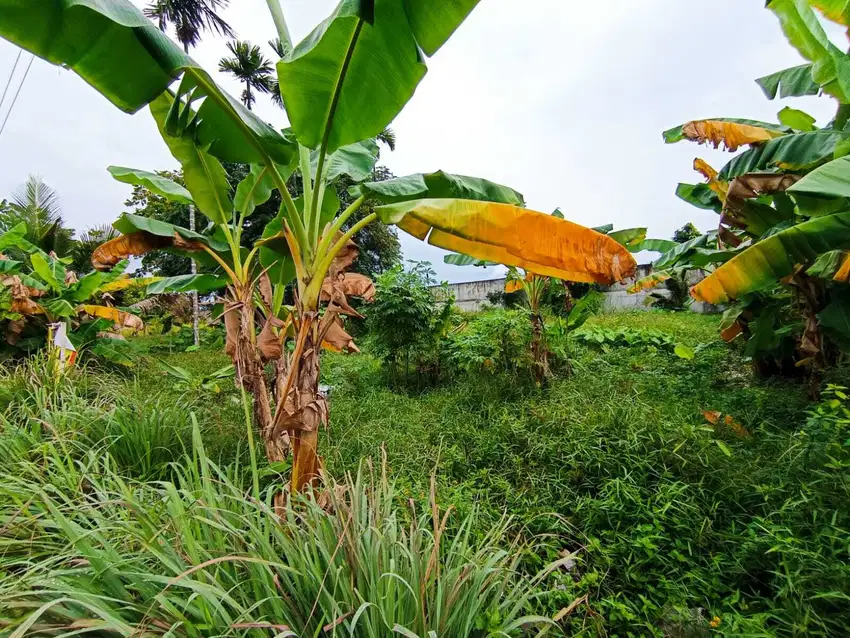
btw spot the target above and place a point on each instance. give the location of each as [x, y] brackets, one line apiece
[85, 550]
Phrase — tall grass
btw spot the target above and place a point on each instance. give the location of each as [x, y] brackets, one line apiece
[84, 550]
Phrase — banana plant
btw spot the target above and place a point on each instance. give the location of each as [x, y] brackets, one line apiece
[534, 287]
[39, 291]
[340, 87]
[784, 227]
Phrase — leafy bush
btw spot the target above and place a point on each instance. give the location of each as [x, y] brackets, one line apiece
[496, 341]
[407, 322]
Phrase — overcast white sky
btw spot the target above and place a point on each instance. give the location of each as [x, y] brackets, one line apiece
[561, 100]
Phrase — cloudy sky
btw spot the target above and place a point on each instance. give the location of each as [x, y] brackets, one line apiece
[563, 101]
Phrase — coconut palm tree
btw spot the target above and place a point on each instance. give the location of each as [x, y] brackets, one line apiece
[189, 18]
[251, 67]
[37, 205]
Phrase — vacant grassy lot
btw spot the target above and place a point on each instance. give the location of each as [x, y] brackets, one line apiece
[671, 525]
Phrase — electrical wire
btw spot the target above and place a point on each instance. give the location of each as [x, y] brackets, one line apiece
[11, 75]
[17, 93]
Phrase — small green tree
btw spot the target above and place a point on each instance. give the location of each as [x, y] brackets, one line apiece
[406, 320]
[686, 233]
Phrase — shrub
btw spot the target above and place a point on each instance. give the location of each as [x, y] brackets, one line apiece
[494, 341]
[407, 322]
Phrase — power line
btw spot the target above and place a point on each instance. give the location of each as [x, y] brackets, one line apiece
[11, 75]
[17, 93]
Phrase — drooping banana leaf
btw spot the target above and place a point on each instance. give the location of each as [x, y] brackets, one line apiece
[835, 318]
[438, 185]
[830, 66]
[513, 236]
[794, 82]
[141, 235]
[255, 190]
[126, 58]
[791, 152]
[832, 265]
[774, 258]
[9, 266]
[155, 183]
[354, 72]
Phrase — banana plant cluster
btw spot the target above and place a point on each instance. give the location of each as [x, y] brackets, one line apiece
[781, 252]
[340, 87]
[38, 291]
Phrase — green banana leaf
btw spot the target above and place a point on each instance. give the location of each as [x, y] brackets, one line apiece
[458, 259]
[354, 72]
[187, 283]
[126, 58]
[51, 271]
[793, 82]
[835, 318]
[438, 185]
[205, 177]
[796, 151]
[774, 258]
[655, 245]
[830, 66]
[830, 180]
[9, 266]
[679, 253]
[355, 160]
[255, 190]
[153, 182]
[699, 195]
[628, 237]
[796, 119]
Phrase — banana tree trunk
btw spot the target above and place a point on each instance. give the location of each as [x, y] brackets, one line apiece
[311, 414]
[242, 347]
[539, 352]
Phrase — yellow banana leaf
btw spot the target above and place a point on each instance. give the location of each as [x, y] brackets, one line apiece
[514, 236]
[110, 253]
[114, 315]
[732, 135]
[649, 282]
[128, 282]
[775, 258]
[718, 187]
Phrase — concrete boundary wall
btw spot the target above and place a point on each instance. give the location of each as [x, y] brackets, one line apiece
[472, 295]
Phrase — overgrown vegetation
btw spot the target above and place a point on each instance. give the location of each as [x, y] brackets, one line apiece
[662, 520]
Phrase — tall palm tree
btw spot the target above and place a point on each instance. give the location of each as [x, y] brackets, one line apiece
[189, 18]
[37, 205]
[250, 66]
